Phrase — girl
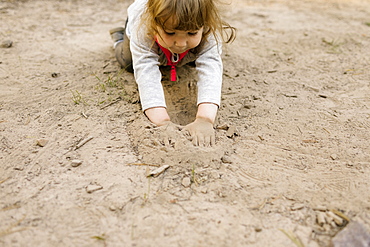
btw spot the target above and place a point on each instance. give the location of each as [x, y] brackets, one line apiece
[175, 32]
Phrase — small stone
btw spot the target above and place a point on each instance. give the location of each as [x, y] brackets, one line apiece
[297, 206]
[220, 194]
[320, 208]
[231, 132]
[321, 218]
[93, 187]
[338, 220]
[258, 229]
[6, 44]
[333, 156]
[186, 182]
[42, 142]
[249, 106]
[354, 234]
[223, 127]
[204, 190]
[76, 163]
[226, 159]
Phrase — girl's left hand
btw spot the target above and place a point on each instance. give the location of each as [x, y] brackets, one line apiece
[169, 133]
[201, 132]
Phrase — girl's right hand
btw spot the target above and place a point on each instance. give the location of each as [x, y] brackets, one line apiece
[201, 132]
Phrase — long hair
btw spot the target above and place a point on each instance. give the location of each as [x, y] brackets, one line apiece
[188, 15]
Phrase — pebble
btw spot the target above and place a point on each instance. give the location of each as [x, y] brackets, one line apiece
[186, 182]
[320, 208]
[42, 142]
[354, 234]
[93, 187]
[223, 127]
[297, 206]
[258, 229]
[76, 163]
[321, 218]
[231, 132]
[226, 159]
[6, 44]
[204, 190]
[338, 220]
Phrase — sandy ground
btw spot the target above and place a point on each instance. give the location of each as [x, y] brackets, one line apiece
[291, 166]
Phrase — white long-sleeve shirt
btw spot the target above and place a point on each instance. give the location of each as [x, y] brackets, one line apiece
[146, 59]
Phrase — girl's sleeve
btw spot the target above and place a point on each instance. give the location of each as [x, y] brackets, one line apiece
[147, 73]
[210, 69]
[144, 59]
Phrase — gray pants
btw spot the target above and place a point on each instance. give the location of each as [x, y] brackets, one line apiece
[123, 53]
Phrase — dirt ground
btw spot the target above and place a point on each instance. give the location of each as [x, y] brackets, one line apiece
[291, 166]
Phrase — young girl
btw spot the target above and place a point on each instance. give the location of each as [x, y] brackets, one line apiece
[173, 33]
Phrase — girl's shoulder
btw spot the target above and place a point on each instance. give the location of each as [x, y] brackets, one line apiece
[137, 6]
[207, 44]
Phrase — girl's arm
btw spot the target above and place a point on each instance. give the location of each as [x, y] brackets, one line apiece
[209, 68]
[207, 111]
[157, 115]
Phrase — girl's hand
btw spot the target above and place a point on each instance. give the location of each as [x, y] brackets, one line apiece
[201, 132]
[169, 133]
[158, 115]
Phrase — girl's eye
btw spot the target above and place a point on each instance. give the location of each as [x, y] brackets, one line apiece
[192, 33]
[169, 33]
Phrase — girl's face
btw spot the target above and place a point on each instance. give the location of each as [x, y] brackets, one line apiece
[179, 41]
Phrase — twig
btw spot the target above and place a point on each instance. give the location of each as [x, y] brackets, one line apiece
[262, 205]
[340, 214]
[142, 164]
[295, 239]
[2, 181]
[9, 231]
[326, 130]
[111, 103]
[158, 171]
[83, 142]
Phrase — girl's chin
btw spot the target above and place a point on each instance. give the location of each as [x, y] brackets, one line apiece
[177, 51]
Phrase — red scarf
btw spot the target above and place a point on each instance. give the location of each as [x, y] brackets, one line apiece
[172, 60]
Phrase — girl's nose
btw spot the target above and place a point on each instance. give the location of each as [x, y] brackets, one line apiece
[181, 42]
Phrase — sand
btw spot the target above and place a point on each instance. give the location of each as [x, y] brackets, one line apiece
[291, 164]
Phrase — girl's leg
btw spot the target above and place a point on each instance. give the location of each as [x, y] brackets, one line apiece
[122, 48]
[123, 54]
